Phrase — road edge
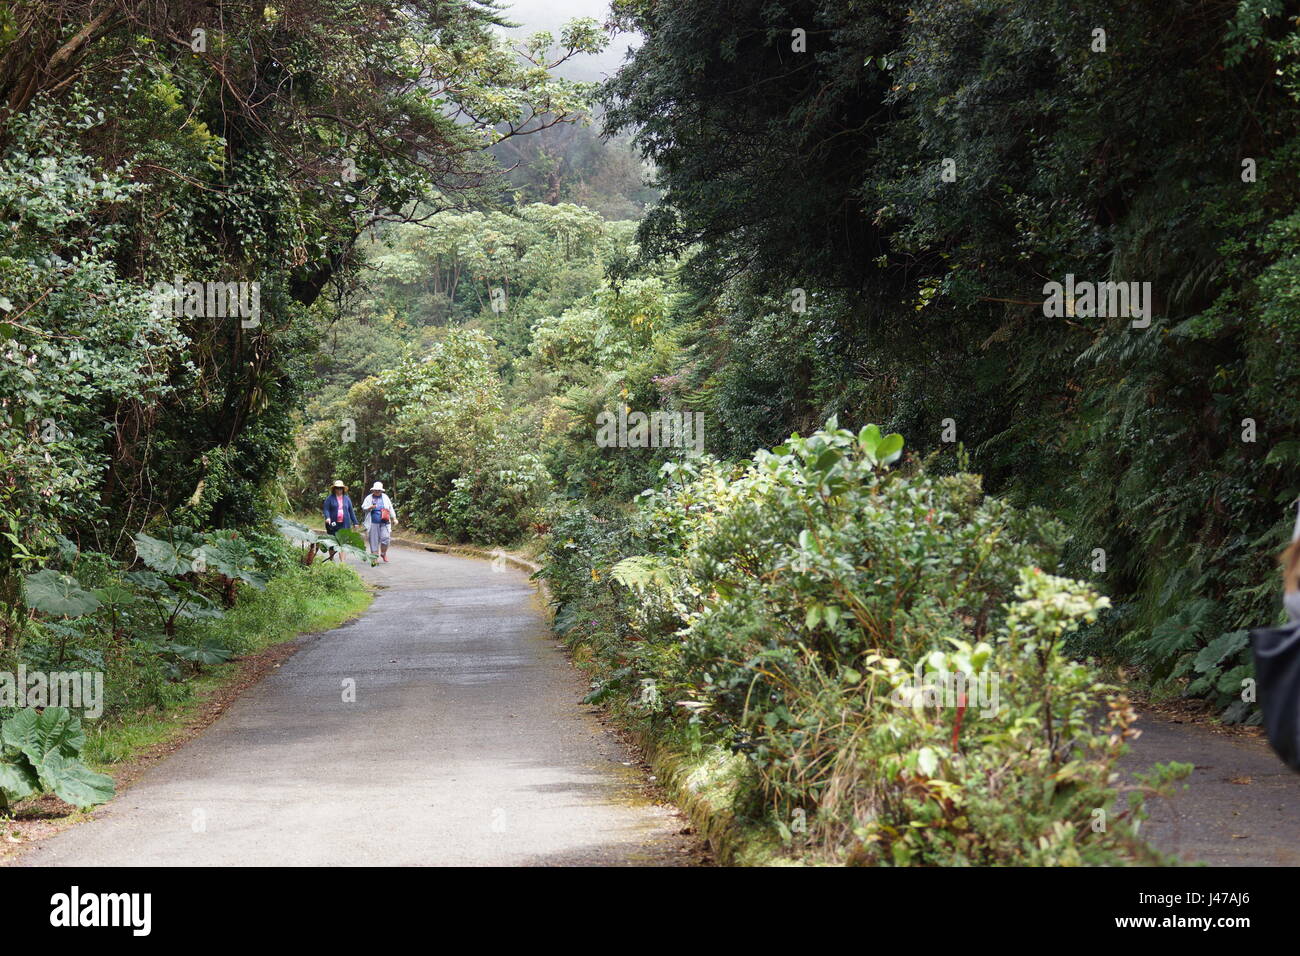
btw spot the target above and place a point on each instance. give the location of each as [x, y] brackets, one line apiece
[699, 787]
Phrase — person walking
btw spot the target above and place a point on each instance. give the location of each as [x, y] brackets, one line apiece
[1290, 560]
[380, 517]
[337, 509]
[1276, 651]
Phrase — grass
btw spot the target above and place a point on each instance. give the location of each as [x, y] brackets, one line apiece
[706, 783]
[302, 601]
[118, 739]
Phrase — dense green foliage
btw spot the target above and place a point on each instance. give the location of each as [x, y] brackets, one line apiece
[479, 420]
[781, 608]
[127, 642]
[143, 144]
[870, 238]
[40, 751]
[856, 210]
[1163, 153]
[148, 146]
[298, 598]
[142, 629]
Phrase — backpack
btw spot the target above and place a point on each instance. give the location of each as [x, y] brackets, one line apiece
[1277, 679]
[1277, 676]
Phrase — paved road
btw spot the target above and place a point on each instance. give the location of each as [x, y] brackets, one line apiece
[1242, 805]
[466, 744]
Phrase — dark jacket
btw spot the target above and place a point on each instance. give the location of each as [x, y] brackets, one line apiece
[330, 509]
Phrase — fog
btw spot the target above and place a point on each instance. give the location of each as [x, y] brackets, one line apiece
[534, 15]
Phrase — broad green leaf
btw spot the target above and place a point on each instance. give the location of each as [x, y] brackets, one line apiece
[17, 779]
[114, 595]
[348, 536]
[890, 449]
[227, 556]
[827, 460]
[52, 592]
[207, 653]
[67, 549]
[148, 581]
[73, 782]
[163, 556]
[38, 734]
[254, 578]
[1222, 646]
[296, 532]
[869, 439]
[201, 610]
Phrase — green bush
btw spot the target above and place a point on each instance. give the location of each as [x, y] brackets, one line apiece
[497, 503]
[433, 428]
[289, 605]
[785, 608]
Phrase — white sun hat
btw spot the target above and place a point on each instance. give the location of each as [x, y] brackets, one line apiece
[377, 486]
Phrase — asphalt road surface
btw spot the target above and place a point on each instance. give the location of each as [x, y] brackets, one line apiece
[466, 744]
[1241, 805]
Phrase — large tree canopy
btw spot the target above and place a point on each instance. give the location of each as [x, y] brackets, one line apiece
[915, 174]
[148, 142]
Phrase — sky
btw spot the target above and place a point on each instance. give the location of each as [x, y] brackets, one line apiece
[550, 15]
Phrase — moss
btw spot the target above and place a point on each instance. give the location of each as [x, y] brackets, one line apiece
[707, 787]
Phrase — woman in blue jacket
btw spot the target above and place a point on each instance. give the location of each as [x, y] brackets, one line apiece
[337, 509]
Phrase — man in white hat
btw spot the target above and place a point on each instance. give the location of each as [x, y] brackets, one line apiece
[380, 516]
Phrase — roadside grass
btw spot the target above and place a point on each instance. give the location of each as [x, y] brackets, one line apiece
[707, 783]
[300, 601]
[117, 739]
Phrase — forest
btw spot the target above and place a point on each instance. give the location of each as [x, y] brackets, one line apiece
[825, 345]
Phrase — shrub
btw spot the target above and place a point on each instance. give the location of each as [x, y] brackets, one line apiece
[783, 608]
[498, 502]
[200, 600]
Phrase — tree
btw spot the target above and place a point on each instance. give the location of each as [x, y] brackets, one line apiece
[876, 217]
[259, 143]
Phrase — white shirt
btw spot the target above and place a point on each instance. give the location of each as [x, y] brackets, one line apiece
[369, 501]
[1291, 601]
